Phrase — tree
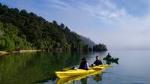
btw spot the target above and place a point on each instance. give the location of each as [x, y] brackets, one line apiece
[100, 47]
[26, 30]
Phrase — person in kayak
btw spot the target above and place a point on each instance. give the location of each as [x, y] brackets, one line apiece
[108, 57]
[97, 61]
[84, 64]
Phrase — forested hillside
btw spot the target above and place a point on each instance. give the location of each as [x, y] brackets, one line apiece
[20, 29]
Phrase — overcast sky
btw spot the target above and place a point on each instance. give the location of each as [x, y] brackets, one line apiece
[120, 24]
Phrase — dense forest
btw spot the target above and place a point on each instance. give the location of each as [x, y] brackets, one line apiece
[20, 29]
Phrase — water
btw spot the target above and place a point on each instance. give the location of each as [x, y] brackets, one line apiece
[39, 68]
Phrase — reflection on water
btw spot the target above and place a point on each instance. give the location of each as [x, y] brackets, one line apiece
[29, 68]
[97, 77]
[33, 67]
[84, 81]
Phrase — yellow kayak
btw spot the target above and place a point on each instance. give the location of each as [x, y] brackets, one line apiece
[78, 72]
[69, 80]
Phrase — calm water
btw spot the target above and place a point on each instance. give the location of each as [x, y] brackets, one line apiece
[39, 68]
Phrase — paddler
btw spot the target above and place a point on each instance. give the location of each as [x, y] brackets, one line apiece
[84, 64]
[97, 61]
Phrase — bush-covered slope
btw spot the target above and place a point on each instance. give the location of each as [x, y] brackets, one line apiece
[23, 30]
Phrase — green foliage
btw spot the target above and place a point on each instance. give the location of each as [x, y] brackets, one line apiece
[9, 40]
[100, 47]
[26, 30]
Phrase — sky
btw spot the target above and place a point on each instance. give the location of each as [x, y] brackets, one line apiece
[120, 24]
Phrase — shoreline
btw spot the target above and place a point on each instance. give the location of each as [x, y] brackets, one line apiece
[2, 53]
